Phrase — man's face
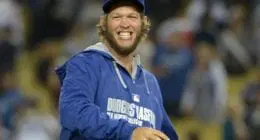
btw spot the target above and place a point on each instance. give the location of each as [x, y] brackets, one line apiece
[124, 29]
[204, 53]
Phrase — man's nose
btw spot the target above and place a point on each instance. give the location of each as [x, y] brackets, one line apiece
[124, 22]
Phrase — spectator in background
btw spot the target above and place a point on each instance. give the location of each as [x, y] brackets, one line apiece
[14, 106]
[234, 46]
[229, 129]
[11, 22]
[33, 126]
[173, 59]
[206, 102]
[205, 94]
[251, 98]
[4, 133]
[256, 32]
[11, 100]
[83, 34]
[215, 11]
[233, 127]
[170, 7]
[39, 81]
[36, 75]
[2, 130]
[48, 80]
[50, 20]
[176, 30]
[146, 50]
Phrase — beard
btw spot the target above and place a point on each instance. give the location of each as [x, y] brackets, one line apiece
[120, 49]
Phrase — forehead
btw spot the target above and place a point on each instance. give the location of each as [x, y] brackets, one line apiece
[204, 49]
[124, 9]
[205, 46]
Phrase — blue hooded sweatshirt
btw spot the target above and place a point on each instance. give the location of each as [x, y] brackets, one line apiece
[100, 100]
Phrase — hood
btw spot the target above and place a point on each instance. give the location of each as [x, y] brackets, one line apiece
[103, 50]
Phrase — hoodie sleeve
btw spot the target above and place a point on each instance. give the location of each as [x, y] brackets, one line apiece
[79, 79]
[167, 127]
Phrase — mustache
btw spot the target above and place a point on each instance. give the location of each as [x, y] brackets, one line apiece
[108, 36]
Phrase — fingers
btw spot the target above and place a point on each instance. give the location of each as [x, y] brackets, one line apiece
[160, 135]
[148, 134]
[154, 137]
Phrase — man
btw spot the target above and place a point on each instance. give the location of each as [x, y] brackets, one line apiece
[11, 22]
[105, 93]
[251, 104]
[205, 95]
[172, 62]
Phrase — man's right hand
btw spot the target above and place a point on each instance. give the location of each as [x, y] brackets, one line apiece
[143, 133]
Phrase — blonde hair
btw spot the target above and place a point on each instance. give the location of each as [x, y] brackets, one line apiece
[146, 25]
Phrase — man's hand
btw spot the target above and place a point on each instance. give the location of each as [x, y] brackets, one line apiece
[143, 133]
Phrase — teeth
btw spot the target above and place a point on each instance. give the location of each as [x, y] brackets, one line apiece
[124, 35]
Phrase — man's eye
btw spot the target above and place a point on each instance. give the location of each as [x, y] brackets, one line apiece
[116, 17]
[133, 17]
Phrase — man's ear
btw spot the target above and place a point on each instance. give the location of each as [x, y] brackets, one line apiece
[102, 22]
[146, 19]
[146, 23]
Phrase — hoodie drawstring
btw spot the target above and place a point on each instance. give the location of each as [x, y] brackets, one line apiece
[146, 84]
[123, 82]
[119, 75]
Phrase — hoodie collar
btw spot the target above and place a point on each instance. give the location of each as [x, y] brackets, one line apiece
[100, 47]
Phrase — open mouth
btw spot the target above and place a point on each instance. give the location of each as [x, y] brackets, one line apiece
[124, 35]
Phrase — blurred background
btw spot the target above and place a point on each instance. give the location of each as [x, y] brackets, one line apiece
[205, 54]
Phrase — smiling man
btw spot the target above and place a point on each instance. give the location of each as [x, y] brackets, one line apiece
[105, 91]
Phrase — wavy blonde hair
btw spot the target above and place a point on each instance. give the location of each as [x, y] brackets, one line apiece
[146, 25]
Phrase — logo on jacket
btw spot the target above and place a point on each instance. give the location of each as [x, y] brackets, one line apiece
[136, 97]
[134, 114]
